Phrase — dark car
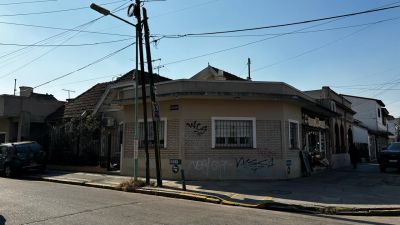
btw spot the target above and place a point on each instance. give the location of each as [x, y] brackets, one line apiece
[390, 157]
[18, 156]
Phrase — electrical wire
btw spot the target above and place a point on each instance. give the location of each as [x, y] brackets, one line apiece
[273, 34]
[285, 24]
[27, 2]
[86, 66]
[312, 50]
[66, 45]
[64, 29]
[54, 11]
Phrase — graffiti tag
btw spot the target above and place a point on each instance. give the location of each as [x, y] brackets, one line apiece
[197, 128]
[254, 164]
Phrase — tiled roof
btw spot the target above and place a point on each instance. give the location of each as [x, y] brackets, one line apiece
[88, 99]
[85, 102]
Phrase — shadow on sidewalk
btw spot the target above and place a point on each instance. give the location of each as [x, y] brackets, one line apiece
[362, 186]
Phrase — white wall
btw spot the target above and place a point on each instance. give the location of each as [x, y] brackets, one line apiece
[367, 112]
[360, 134]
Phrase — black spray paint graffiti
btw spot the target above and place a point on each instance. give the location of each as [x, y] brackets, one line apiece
[254, 164]
[197, 128]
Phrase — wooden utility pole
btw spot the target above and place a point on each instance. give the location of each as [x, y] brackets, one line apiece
[154, 106]
[143, 83]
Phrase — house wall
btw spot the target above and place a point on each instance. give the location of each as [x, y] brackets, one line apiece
[360, 134]
[5, 127]
[202, 162]
[367, 113]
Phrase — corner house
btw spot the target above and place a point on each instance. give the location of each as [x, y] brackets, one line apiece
[221, 127]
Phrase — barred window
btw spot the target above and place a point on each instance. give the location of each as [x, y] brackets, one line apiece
[236, 133]
[162, 134]
[293, 134]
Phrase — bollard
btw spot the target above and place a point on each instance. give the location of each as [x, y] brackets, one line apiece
[183, 180]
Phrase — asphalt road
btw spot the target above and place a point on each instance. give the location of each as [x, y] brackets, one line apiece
[36, 202]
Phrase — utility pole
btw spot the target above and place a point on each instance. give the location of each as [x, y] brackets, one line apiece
[154, 106]
[143, 83]
[136, 138]
[248, 68]
[69, 92]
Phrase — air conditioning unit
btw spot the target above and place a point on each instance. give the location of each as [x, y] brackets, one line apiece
[108, 122]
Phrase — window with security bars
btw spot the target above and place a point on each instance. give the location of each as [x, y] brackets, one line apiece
[293, 135]
[151, 140]
[233, 133]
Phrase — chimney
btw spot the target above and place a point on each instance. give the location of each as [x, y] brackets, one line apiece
[25, 91]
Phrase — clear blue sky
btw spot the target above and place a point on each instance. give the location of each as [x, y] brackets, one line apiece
[358, 55]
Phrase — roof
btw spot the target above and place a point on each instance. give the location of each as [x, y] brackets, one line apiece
[222, 89]
[213, 73]
[88, 100]
[373, 99]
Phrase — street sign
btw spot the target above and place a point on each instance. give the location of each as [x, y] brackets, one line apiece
[175, 162]
[175, 168]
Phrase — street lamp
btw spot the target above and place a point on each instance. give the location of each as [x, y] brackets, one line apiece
[107, 12]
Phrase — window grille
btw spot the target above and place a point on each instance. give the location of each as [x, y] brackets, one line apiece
[151, 140]
[234, 134]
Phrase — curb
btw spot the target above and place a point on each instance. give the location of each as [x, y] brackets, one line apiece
[268, 205]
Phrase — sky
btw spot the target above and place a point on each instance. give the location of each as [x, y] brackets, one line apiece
[356, 55]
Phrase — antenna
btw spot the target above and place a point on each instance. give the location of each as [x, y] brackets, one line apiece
[248, 68]
[69, 92]
[15, 86]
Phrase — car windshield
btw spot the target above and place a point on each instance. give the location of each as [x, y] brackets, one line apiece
[394, 147]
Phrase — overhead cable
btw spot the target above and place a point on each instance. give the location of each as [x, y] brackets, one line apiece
[286, 24]
[86, 66]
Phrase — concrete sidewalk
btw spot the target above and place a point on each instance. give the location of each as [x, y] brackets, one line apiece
[363, 191]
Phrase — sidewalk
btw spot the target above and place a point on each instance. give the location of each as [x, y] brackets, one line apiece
[363, 191]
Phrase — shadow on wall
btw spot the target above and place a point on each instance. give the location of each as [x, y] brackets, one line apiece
[2, 220]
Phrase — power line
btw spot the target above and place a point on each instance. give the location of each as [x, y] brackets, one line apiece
[27, 2]
[66, 45]
[86, 66]
[44, 54]
[54, 11]
[65, 29]
[244, 45]
[183, 9]
[286, 24]
[311, 50]
[274, 34]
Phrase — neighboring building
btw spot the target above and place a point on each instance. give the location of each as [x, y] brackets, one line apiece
[23, 117]
[95, 145]
[224, 127]
[340, 127]
[373, 115]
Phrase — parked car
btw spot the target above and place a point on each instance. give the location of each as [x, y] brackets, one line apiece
[390, 157]
[18, 156]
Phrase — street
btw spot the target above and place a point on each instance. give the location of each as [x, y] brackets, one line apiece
[37, 202]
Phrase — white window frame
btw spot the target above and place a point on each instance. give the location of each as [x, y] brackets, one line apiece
[298, 134]
[213, 119]
[163, 119]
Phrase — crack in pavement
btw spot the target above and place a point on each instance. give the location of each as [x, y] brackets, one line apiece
[81, 212]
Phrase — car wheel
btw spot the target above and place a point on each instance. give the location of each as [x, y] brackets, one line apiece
[8, 171]
[382, 169]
